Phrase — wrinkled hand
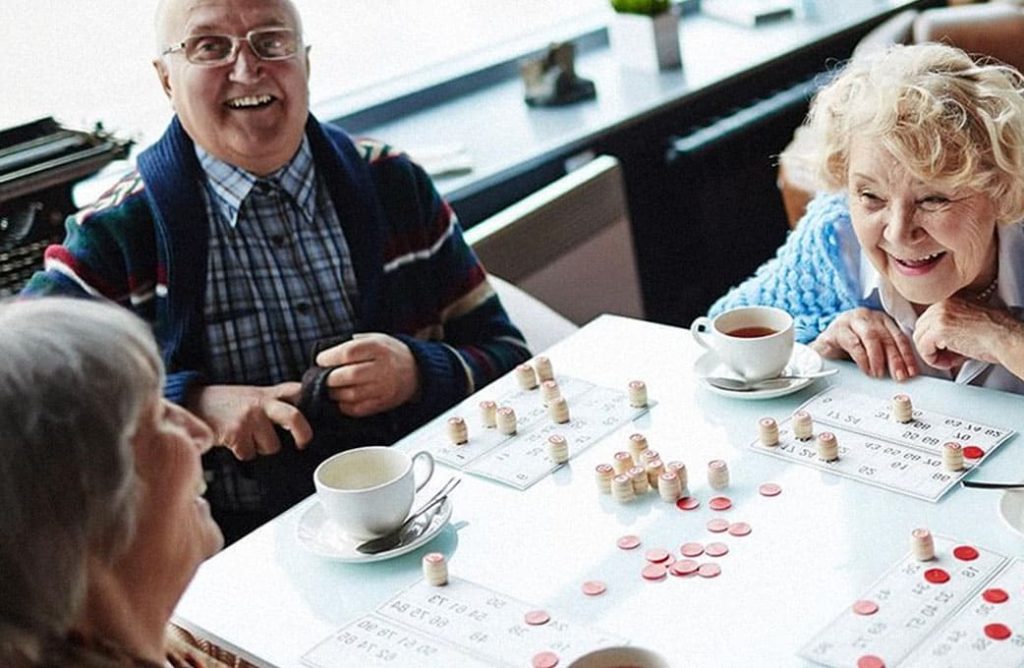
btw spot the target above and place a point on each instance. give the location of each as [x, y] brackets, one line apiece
[950, 331]
[242, 417]
[871, 339]
[377, 373]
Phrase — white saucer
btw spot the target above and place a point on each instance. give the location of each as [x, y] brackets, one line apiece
[804, 360]
[320, 536]
[1011, 507]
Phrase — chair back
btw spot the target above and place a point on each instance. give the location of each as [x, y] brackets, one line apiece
[570, 244]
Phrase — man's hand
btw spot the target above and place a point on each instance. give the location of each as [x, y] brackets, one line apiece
[377, 373]
[871, 339]
[243, 417]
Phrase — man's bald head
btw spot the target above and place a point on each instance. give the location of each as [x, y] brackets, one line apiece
[171, 15]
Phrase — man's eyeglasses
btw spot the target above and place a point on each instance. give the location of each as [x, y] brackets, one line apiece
[214, 50]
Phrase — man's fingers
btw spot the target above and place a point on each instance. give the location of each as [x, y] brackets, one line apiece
[265, 438]
[351, 374]
[362, 348]
[289, 391]
[288, 417]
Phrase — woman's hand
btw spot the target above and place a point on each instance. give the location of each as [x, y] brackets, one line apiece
[872, 340]
[950, 331]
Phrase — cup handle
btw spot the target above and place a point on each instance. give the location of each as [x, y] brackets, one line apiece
[430, 467]
[700, 328]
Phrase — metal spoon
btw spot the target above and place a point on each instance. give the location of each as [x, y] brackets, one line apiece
[979, 484]
[739, 385]
[413, 526]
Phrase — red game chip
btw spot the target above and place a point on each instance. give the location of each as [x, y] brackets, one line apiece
[537, 617]
[688, 503]
[769, 489]
[718, 526]
[684, 567]
[716, 549]
[594, 587]
[628, 542]
[709, 570]
[936, 576]
[691, 549]
[654, 572]
[870, 661]
[720, 503]
[739, 529]
[545, 660]
[995, 595]
[998, 631]
[657, 555]
[965, 553]
[864, 607]
[973, 452]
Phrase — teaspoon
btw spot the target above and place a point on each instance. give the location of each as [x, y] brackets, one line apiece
[739, 385]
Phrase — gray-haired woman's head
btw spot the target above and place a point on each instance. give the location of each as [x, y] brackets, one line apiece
[74, 377]
[947, 118]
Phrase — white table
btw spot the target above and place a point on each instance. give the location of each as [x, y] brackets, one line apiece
[814, 548]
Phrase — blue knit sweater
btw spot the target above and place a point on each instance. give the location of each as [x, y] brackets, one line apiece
[808, 277]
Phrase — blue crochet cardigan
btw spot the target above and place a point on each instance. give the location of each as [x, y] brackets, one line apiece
[808, 277]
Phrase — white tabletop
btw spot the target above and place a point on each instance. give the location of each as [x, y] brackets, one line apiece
[814, 548]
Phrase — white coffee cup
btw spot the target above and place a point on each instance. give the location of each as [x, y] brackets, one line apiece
[620, 657]
[754, 341]
[367, 492]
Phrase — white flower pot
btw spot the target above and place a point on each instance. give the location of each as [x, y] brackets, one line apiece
[646, 42]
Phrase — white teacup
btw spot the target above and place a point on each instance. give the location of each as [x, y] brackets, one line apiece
[620, 657]
[367, 492]
[754, 341]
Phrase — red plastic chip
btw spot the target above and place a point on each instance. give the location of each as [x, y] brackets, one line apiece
[870, 661]
[936, 576]
[628, 542]
[995, 595]
[545, 660]
[720, 503]
[657, 555]
[709, 570]
[654, 572]
[594, 587]
[973, 452]
[691, 549]
[769, 489]
[739, 529]
[688, 503]
[998, 631]
[716, 549]
[965, 553]
[684, 567]
[537, 617]
[718, 525]
[864, 607]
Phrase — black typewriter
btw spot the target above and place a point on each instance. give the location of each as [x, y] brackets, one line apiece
[40, 162]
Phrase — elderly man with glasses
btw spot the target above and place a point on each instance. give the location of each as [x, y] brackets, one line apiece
[252, 234]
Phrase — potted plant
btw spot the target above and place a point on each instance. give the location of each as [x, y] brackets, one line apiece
[645, 33]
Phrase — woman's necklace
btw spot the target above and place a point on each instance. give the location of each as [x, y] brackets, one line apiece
[986, 294]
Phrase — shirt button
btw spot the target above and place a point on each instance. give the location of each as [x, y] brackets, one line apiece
[262, 187]
[277, 240]
[303, 308]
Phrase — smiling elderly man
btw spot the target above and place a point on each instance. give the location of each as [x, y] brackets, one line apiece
[251, 234]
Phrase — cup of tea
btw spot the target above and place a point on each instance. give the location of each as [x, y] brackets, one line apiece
[756, 342]
[368, 492]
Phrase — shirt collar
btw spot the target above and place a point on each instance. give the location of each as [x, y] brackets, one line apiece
[230, 185]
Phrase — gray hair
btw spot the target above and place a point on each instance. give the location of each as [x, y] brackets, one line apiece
[75, 376]
[946, 117]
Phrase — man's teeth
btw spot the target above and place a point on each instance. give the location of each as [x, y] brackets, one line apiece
[249, 101]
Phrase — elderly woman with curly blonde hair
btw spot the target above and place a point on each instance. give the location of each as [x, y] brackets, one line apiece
[911, 261]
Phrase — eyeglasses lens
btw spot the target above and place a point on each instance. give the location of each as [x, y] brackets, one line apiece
[217, 49]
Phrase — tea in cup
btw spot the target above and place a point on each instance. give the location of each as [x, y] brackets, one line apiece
[368, 492]
[756, 342]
